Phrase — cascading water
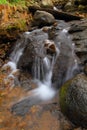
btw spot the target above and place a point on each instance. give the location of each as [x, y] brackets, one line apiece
[50, 56]
[69, 51]
[43, 72]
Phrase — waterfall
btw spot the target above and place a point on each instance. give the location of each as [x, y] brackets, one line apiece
[43, 68]
[13, 60]
[47, 54]
[54, 62]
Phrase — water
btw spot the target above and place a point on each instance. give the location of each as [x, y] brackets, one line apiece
[53, 64]
[43, 73]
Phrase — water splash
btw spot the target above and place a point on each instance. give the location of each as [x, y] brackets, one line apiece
[44, 91]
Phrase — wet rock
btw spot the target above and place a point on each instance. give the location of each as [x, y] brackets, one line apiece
[78, 30]
[22, 107]
[25, 81]
[33, 53]
[43, 18]
[59, 71]
[50, 47]
[73, 100]
[85, 69]
[66, 65]
[45, 29]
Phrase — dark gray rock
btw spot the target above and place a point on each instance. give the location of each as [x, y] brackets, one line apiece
[37, 46]
[66, 64]
[78, 30]
[83, 2]
[73, 100]
[85, 69]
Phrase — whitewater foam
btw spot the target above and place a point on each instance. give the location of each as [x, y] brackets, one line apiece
[10, 64]
[44, 92]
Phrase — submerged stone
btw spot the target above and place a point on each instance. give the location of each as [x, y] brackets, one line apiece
[73, 100]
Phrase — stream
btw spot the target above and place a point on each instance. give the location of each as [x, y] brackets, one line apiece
[49, 58]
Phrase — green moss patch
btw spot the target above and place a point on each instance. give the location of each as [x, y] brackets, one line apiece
[63, 95]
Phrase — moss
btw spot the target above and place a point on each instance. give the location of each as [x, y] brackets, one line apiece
[21, 24]
[63, 95]
[22, 3]
[81, 7]
[18, 25]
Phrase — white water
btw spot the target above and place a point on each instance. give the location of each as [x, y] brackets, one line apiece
[12, 64]
[44, 91]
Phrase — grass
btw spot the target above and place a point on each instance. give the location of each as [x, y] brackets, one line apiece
[13, 2]
[17, 2]
[4, 2]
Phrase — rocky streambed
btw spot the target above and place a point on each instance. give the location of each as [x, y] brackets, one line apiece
[72, 100]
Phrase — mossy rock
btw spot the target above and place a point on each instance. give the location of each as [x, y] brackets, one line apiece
[73, 100]
[82, 8]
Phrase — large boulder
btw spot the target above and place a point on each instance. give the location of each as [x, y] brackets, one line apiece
[73, 100]
[37, 46]
[42, 18]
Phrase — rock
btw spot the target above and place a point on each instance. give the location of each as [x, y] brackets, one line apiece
[50, 47]
[83, 2]
[33, 50]
[43, 18]
[60, 3]
[78, 30]
[46, 3]
[69, 6]
[78, 128]
[65, 66]
[39, 44]
[73, 100]
[36, 48]
[81, 7]
[85, 69]
[45, 29]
